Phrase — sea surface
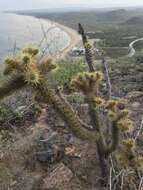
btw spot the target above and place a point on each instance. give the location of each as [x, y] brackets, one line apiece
[18, 31]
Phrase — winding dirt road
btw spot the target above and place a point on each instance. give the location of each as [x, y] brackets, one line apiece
[132, 50]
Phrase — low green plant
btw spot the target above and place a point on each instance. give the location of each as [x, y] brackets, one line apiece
[64, 72]
[17, 117]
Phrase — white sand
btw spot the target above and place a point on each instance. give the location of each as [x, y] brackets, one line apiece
[74, 40]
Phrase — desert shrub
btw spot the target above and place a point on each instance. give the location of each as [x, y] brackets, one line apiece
[18, 110]
[65, 72]
[17, 117]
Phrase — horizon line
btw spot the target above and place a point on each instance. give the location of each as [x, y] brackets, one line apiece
[74, 7]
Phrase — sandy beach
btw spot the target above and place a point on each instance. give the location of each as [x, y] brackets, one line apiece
[74, 40]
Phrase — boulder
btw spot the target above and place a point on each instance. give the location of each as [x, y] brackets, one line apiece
[49, 147]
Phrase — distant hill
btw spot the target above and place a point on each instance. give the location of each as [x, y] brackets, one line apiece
[114, 15]
[135, 21]
[71, 18]
[91, 19]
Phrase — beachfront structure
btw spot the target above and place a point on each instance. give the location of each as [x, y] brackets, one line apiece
[77, 51]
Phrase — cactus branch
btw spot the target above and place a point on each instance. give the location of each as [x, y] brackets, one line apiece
[115, 133]
[88, 52]
[115, 139]
[63, 99]
[75, 124]
[11, 85]
[66, 112]
[107, 77]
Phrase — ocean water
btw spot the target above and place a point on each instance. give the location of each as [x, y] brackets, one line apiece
[18, 31]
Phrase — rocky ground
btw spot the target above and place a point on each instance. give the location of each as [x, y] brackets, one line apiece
[46, 156]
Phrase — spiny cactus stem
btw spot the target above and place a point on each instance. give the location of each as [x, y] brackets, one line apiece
[102, 161]
[82, 33]
[60, 94]
[13, 84]
[96, 122]
[107, 77]
[89, 58]
[88, 53]
[75, 124]
[115, 138]
[92, 111]
[100, 144]
[67, 113]
[115, 135]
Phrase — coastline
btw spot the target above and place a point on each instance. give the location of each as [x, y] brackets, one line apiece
[74, 40]
[73, 35]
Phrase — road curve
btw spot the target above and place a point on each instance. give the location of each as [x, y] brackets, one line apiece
[132, 50]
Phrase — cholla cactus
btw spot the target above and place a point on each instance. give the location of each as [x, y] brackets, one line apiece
[87, 82]
[26, 70]
[27, 66]
[119, 117]
[128, 158]
[31, 52]
[88, 49]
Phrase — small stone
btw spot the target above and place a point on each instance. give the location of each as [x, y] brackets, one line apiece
[13, 183]
[60, 175]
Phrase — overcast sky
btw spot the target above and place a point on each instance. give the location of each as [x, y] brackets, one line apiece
[37, 4]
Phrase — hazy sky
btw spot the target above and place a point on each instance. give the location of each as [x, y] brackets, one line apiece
[37, 4]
